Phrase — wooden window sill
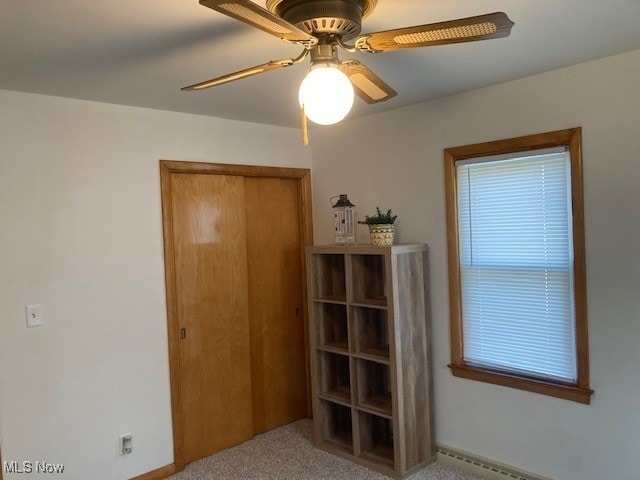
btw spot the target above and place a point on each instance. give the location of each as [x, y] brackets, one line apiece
[545, 387]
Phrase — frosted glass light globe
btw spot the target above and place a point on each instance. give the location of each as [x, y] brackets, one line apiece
[327, 95]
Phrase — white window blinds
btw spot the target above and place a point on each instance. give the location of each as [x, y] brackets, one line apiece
[516, 262]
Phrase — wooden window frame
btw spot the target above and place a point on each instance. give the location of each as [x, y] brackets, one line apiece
[572, 139]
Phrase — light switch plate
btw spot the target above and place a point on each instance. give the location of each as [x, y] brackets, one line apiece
[34, 316]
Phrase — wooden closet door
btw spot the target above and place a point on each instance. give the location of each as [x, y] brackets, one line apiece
[275, 302]
[212, 306]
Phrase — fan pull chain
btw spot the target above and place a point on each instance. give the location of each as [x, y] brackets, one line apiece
[305, 130]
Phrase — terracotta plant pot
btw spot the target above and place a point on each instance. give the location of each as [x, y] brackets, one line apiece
[381, 234]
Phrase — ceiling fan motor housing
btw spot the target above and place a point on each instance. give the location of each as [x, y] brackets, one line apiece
[324, 17]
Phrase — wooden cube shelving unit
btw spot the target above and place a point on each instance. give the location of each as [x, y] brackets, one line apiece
[371, 355]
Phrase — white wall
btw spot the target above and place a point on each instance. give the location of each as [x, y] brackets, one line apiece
[81, 233]
[395, 160]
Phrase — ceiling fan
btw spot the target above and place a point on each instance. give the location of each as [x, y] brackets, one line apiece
[323, 26]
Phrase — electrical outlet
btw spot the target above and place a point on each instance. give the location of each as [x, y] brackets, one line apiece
[126, 444]
[34, 315]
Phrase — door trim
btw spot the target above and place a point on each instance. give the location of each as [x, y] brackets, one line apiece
[167, 167]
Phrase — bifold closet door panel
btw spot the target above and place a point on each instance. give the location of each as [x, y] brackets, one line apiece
[275, 302]
[212, 307]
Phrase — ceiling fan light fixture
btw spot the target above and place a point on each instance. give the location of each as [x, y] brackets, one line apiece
[326, 93]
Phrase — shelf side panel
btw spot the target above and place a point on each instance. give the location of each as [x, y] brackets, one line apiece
[414, 337]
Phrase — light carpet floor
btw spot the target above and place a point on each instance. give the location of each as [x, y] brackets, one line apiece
[287, 453]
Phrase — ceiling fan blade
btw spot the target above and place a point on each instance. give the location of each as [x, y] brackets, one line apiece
[256, 16]
[248, 72]
[368, 86]
[482, 27]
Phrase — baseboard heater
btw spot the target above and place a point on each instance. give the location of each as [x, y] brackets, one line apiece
[482, 466]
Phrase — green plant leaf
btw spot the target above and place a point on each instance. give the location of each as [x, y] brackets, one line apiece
[379, 218]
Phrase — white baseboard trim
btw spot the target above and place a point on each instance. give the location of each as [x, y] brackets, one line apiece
[483, 467]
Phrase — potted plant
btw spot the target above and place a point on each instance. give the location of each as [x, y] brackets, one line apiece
[381, 228]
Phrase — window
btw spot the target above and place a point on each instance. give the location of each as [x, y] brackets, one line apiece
[516, 264]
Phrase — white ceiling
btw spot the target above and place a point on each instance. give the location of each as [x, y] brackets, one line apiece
[141, 52]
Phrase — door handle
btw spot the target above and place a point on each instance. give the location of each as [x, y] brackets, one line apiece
[183, 333]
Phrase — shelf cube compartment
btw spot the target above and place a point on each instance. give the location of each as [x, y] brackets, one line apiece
[376, 439]
[332, 322]
[334, 377]
[336, 428]
[374, 386]
[329, 277]
[368, 273]
[371, 332]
